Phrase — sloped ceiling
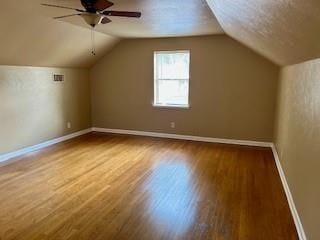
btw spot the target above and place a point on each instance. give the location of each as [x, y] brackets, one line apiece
[285, 31]
[165, 18]
[29, 39]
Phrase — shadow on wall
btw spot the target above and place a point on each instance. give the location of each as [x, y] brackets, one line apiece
[35, 109]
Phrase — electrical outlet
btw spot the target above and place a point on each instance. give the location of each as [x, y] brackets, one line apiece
[68, 125]
[173, 125]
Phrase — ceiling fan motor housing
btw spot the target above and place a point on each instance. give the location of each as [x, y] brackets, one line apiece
[89, 5]
[92, 19]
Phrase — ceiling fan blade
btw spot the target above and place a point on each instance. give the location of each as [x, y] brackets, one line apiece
[102, 5]
[105, 20]
[56, 6]
[71, 15]
[122, 14]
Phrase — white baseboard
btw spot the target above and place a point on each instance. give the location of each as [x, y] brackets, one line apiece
[294, 212]
[183, 137]
[7, 156]
[297, 221]
[293, 209]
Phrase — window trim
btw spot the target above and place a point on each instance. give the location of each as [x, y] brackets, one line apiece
[155, 79]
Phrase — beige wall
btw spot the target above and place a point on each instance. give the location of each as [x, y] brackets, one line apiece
[34, 109]
[297, 139]
[232, 89]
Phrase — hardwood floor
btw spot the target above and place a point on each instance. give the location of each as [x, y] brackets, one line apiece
[122, 187]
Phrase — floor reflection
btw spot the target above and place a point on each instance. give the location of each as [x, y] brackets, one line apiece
[172, 203]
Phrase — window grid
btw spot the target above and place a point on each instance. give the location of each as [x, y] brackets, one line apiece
[179, 66]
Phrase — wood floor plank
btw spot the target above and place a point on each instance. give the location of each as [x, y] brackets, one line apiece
[105, 186]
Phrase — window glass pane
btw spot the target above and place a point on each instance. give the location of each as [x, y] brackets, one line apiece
[172, 65]
[174, 92]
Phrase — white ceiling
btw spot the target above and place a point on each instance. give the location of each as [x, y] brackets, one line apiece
[29, 39]
[285, 31]
[163, 18]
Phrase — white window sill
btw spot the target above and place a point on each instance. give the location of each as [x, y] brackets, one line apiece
[171, 106]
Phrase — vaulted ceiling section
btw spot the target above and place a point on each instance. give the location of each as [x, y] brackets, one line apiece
[30, 39]
[165, 18]
[285, 31]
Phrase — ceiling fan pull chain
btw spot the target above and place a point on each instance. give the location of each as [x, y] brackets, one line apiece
[93, 49]
[95, 13]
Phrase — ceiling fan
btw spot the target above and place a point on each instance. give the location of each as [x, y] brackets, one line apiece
[96, 12]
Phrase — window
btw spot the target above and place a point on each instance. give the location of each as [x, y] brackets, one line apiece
[171, 79]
